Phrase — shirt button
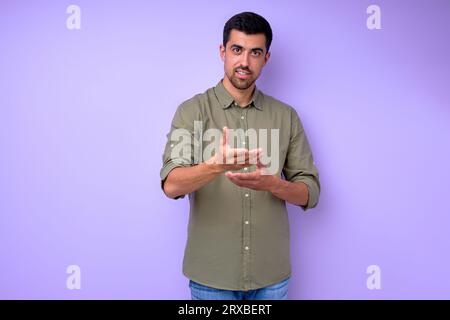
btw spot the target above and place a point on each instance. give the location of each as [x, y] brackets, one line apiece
[171, 145]
[245, 169]
[243, 143]
[246, 222]
[242, 117]
[246, 248]
[246, 194]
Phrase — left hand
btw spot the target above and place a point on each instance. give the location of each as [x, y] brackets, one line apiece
[255, 180]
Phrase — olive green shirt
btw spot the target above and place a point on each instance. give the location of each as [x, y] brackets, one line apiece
[238, 238]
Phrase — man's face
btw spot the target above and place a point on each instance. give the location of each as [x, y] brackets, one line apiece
[244, 57]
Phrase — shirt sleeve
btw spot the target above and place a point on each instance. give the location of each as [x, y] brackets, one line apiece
[179, 149]
[299, 165]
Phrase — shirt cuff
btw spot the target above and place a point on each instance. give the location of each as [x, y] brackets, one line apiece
[313, 192]
[169, 166]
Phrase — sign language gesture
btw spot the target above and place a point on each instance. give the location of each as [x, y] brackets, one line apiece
[232, 158]
[256, 180]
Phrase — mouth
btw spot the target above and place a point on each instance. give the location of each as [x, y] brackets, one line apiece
[242, 74]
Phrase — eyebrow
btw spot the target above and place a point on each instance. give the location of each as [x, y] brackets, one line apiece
[241, 47]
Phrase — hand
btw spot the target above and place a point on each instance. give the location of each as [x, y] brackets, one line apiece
[255, 180]
[232, 158]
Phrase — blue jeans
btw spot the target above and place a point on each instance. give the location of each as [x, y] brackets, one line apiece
[276, 291]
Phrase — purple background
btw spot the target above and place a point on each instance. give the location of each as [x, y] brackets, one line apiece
[83, 122]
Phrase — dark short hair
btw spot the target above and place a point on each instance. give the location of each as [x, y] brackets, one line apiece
[249, 23]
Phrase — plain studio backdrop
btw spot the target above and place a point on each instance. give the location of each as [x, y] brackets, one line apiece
[84, 115]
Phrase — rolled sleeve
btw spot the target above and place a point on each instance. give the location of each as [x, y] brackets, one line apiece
[179, 149]
[299, 165]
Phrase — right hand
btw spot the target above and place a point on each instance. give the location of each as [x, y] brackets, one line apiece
[232, 158]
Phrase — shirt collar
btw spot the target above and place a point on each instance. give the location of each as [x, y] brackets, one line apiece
[226, 99]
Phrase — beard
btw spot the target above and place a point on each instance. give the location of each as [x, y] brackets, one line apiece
[241, 84]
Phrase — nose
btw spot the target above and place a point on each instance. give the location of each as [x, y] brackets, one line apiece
[245, 59]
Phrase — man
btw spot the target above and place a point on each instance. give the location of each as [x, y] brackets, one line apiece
[238, 235]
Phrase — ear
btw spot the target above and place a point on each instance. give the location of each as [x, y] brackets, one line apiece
[222, 52]
[267, 57]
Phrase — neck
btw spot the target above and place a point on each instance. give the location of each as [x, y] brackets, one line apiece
[241, 97]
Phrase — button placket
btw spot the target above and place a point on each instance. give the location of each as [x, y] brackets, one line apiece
[247, 208]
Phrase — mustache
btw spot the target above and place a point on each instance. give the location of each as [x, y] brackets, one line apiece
[243, 69]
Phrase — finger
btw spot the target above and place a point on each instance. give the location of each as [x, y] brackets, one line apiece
[244, 183]
[237, 155]
[244, 176]
[241, 156]
[244, 156]
[235, 181]
[254, 155]
[260, 165]
[225, 137]
[223, 144]
[233, 154]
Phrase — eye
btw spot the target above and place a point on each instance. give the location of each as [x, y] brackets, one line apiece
[256, 53]
[236, 49]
